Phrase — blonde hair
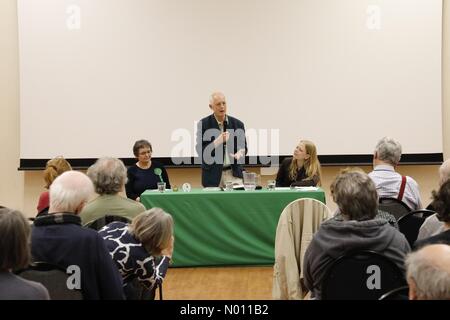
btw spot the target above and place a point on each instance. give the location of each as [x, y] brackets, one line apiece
[154, 229]
[54, 168]
[311, 165]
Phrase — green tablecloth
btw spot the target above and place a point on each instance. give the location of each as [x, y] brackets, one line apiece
[225, 228]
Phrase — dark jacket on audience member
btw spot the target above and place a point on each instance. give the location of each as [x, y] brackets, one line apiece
[335, 238]
[59, 239]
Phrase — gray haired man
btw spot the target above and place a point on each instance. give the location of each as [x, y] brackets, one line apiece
[428, 273]
[109, 177]
[389, 183]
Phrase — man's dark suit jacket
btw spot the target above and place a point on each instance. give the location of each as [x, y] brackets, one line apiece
[212, 158]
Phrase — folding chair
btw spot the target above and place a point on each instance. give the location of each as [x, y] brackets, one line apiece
[401, 293]
[394, 206]
[106, 219]
[410, 224]
[53, 278]
[361, 275]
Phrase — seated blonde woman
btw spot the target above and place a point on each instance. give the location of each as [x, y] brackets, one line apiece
[303, 169]
[141, 250]
[54, 168]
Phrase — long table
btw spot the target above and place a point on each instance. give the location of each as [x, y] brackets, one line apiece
[215, 228]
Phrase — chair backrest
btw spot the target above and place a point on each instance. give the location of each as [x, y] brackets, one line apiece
[394, 206]
[410, 224]
[360, 275]
[53, 278]
[425, 212]
[297, 224]
[43, 212]
[401, 293]
[106, 219]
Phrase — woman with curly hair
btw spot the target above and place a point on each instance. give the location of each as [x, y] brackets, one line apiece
[54, 168]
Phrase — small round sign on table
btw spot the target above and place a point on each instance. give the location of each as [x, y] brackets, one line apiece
[186, 187]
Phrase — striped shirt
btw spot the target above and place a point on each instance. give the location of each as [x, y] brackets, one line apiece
[388, 181]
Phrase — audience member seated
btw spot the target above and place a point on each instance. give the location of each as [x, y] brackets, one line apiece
[53, 168]
[441, 203]
[432, 225]
[59, 239]
[145, 173]
[428, 273]
[14, 255]
[389, 183]
[380, 214]
[142, 249]
[355, 194]
[303, 169]
[109, 176]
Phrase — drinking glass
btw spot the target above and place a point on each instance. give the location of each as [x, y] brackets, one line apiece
[249, 181]
[161, 186]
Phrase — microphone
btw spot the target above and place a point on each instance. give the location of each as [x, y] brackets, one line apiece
[225, 125]
[158, 172]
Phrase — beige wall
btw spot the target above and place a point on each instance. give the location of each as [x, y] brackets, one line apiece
[21, 190]
[11, 181]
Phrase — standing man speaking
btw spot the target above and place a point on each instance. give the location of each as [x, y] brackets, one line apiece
[221, 145]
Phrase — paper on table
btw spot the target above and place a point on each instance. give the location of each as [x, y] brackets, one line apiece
[306, 188]
[298, 188]
[212, 189]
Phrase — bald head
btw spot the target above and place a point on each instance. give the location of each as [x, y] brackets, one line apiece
[216, 95]
[69, 192]
[444, 172]
[218, 105]
[437, 255]
[428, 273]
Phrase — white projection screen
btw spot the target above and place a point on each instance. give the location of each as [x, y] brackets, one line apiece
[96, 75]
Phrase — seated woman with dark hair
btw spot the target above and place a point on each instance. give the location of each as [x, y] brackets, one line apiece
[145, 173]
[53, 169]
[303, 169]
[141, 250]
[441, 203]
[14, 255]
